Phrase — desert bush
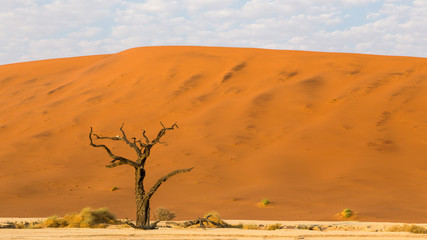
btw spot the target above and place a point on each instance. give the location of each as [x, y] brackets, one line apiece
[274, 226]
[114, 188]
[163, 214]
[264, 202]
[346, 213]
[54, 222]
[87, 218]
[408, 228]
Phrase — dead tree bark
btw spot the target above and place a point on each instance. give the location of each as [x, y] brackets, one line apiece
[142, 148]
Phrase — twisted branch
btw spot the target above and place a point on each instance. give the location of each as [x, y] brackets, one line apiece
[162, 132]
[131, 144]
[117, 160]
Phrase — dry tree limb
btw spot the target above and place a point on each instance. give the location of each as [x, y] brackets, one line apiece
[204, 222]
[164, 179]
[114, 163]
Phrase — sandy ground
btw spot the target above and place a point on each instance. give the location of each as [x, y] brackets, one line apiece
[210, 234]
[312, 132]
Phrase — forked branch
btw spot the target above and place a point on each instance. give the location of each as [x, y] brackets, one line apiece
[117, 160]
[131, 144]
[162, 132]
[164, 179]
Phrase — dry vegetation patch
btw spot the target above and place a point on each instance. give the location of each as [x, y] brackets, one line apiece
[87, 218]
[408, 228]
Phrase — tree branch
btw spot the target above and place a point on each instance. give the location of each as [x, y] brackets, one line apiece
[117, 160]
[145, 136]
[164, 179]
[131, 144]
[162, 132]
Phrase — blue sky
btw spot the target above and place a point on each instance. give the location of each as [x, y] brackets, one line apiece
[42, 29]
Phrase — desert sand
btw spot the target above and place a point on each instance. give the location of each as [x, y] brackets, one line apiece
[197, 234]
[349, 231]
[312, 132]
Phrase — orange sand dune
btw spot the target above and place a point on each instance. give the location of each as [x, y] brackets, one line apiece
[312, 132]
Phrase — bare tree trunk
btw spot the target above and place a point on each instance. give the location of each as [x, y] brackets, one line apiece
[142, 205]
[143, 213]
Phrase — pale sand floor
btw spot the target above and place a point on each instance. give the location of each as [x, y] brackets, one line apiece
[208, 234]
[235, 234]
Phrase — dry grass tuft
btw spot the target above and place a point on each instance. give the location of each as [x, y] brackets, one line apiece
[87, 218]
[54, 222]
[408, 228]
[274, 226]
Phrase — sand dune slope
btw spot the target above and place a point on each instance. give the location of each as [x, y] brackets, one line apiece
[312, 132]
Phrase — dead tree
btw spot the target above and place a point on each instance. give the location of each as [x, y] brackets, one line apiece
[142, 148]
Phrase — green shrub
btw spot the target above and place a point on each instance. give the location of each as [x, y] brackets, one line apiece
[264, 202]
[346, 213]
[163, 214]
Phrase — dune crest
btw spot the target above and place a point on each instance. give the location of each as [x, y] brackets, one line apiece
[312, 132]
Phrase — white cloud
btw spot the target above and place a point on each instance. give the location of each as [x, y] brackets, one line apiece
[40, 29]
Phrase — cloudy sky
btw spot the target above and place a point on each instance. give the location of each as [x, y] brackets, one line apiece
[41, 29]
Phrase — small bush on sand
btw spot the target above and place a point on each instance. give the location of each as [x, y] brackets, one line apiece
[90, 218]
[54, 222]
[163, 214]
[274, 226]
[264, 202]
[87, 218]
[408, 228]
[346, 213]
